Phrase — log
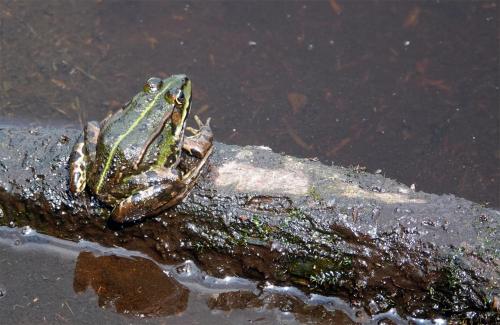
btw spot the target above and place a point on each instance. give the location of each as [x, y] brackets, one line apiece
[267, 216]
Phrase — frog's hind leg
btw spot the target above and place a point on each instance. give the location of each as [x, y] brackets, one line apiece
[83, 152]
[164, 187]
[165, 191]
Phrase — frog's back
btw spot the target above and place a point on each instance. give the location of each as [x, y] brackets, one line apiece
[121, 142]
[131, 131]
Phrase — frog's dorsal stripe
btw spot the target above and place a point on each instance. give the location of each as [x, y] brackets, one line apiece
[124, 135]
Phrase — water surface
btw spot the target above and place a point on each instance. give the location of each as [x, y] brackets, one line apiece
[408, 89]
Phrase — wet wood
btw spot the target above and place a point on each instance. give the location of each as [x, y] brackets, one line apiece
[258, 214]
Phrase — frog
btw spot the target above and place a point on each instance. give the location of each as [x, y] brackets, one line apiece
[133, 159]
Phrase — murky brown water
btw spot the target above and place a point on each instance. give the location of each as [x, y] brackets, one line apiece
[410, 88]
[56, 281]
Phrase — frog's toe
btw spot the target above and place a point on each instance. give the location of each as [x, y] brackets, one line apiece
[202, 127]
[198, 121]
[200, 124]
[192, 130]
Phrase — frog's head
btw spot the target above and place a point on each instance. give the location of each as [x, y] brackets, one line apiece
[170, 101]
[155, 118]
[170, 95]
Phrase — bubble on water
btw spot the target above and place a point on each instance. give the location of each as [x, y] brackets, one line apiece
[187, 269]
[26, 230]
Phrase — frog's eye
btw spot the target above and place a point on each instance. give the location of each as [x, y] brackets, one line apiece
[180, 98]
[153, 85]
[175, 96]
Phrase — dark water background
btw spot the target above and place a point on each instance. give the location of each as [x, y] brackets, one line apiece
[409, 88]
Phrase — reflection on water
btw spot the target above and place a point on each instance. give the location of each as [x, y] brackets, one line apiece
[132, 285]
[129, 283]
[228, 301]
[138, 286]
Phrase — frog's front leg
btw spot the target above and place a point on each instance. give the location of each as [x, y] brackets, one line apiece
[199, 144]
[82, 154]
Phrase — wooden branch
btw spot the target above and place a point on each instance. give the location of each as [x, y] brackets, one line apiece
[258, 214]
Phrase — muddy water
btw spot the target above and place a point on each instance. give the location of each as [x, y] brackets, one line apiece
[409, 89]
[43, 278]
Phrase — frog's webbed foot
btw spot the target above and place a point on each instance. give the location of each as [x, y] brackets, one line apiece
[83, 152]
[200, 143]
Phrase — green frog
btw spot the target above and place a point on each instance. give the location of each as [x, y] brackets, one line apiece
[132, 159]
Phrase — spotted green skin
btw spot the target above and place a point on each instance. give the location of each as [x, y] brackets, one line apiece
[130, 161]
